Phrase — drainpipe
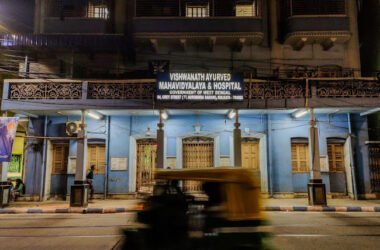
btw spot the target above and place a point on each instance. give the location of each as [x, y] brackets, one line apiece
[44, 153]
[108, 122]
[351, 159]
[269, 150]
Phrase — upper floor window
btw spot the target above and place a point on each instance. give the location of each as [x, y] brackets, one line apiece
[246, 9]
[197, 10]
[98, 10]
[317, 7]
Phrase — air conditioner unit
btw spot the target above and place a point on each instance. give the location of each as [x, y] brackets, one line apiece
[72, 127]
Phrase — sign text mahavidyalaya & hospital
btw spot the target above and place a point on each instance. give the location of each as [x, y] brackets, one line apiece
[200, 87]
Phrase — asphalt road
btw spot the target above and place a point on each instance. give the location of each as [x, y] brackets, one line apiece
[292, 230]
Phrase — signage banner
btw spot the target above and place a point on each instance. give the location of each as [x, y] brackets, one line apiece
[199, 87]
[8, 127]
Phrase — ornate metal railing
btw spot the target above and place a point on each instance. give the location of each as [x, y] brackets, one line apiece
[347, 88]
[45, 90]
[275, 90]
[145, 90]
[122, 91]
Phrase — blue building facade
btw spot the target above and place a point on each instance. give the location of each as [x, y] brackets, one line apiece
[274, 132]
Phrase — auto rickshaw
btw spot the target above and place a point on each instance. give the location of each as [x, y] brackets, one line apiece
[224, 214]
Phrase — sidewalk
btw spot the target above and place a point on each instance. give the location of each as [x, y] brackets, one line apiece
[122, 206]
[333, 205]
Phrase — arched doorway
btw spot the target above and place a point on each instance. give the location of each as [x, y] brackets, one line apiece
[146, 163]
[198, 152]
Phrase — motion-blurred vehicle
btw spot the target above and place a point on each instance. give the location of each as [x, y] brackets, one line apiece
[223, 213]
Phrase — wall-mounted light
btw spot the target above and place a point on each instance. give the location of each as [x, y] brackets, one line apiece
[197, 128]
[148, 132]
[299, 113]
[95, 115]
[231, 114]
[164, 115]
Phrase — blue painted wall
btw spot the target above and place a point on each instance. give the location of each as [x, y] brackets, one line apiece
[116, 132]
[360, 132]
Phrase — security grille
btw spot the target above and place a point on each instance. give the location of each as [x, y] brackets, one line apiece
[374, 166]
[146, 163]
[198, 152]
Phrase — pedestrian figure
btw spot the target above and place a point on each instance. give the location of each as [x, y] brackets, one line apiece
[19, 189]
[90, 180]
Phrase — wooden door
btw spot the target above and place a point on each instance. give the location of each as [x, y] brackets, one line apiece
[96, 155]
[250, 154]
[146, 163]
[198, 152]
[60, 158]
[58, 178]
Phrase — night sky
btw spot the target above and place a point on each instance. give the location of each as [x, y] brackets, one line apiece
[17, 15]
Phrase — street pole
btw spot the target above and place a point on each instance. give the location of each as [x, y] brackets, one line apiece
[79, 191]
[160, 142]
[237, 141]
[316, 188]
[4, 187]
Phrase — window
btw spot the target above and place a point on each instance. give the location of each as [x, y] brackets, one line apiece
[318, 7]
[336, 157]
[98, 11]
[300, 157]
[60, 158]
[245, 9]
[96, 156]
[197, 10]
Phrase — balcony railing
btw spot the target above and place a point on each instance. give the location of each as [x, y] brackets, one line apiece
[145, 89]
[109, 42]
[318, 23]
[70, 25]
[174, 25]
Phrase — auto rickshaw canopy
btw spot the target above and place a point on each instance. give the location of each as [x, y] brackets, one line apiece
[241, 192]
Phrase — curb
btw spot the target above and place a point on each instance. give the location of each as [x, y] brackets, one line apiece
[73, 210]
[321, 209]
[78, 210]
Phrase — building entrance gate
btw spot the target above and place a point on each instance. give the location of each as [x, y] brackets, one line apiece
[198, 152]
[374, 167]
[146, 163]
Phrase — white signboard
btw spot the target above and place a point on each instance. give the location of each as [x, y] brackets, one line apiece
[324, 163]
[119, 163]
[72, 165]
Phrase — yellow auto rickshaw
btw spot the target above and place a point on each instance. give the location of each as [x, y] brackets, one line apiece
[224, 212]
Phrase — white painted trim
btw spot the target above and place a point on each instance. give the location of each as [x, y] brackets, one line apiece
[49, 166]
[179, 144]
[263, 157]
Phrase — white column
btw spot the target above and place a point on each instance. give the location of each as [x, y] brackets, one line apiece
[160, 143]
[3, 171]
[80, 174]
[314, 148]
[237, 141]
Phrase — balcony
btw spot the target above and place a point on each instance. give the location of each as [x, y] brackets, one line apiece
[243, 30]
[53, 94]
[101, 42]
[74, 25]
[326, 30]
